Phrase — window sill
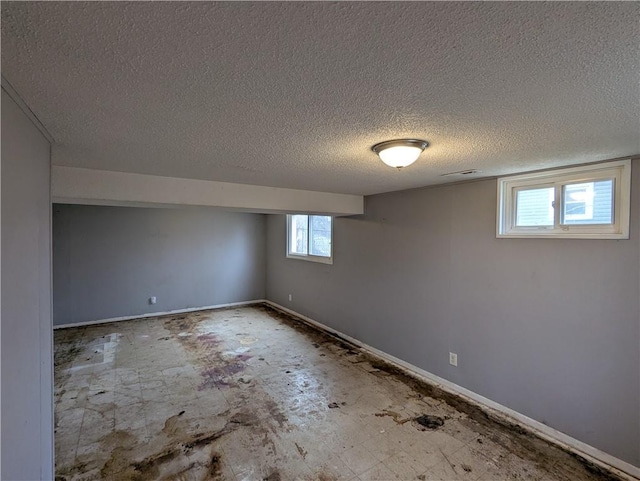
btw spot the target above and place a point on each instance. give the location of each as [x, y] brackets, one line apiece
[562, 235]
[316, 259]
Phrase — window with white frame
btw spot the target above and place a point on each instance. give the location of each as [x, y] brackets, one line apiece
[590, 202]
[309, 237]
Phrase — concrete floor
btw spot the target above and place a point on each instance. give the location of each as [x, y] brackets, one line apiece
[249, 394]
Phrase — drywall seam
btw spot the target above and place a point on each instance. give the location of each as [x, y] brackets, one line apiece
[1, 305]
[7, 87]
[47, 383]
[157, 314]
[594, 455]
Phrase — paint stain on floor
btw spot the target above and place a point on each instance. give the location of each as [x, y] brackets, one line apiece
[253, 394]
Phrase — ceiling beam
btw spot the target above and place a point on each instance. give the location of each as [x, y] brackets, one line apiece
[72, 185]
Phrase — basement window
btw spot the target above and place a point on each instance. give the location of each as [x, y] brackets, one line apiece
[587, 202]
[309, 237]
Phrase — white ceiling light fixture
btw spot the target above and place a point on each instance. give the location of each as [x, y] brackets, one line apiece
[401, 152]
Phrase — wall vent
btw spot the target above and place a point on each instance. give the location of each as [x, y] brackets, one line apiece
[462, 172]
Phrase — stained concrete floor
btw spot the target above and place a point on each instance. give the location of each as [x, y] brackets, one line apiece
[250, 394]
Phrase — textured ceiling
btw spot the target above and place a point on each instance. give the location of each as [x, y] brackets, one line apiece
[294, 94]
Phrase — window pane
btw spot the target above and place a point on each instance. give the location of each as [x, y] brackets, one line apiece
[534, 207]
[588, 202]
[320, 235]
[299, 234]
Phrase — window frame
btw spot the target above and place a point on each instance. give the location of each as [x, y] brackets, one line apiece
[308, 257]
[619, 171]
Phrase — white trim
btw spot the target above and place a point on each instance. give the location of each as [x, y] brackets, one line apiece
[157, 314]
[617, 466]
[600, 458]
[619, 171]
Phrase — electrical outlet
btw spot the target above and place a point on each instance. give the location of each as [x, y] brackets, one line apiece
[290, 298]
[153, 300]
[453, 359]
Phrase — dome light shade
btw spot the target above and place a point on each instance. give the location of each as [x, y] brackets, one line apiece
[400, 153]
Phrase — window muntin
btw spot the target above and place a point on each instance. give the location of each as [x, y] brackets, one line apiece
[580, 202]
[309, 237]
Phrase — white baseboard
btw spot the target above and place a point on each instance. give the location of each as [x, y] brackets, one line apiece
[591, 454]
[156, 314]
[617, 466]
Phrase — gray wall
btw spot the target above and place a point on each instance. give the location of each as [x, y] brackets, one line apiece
[25, 329]
[108, 261]
[547, 327]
